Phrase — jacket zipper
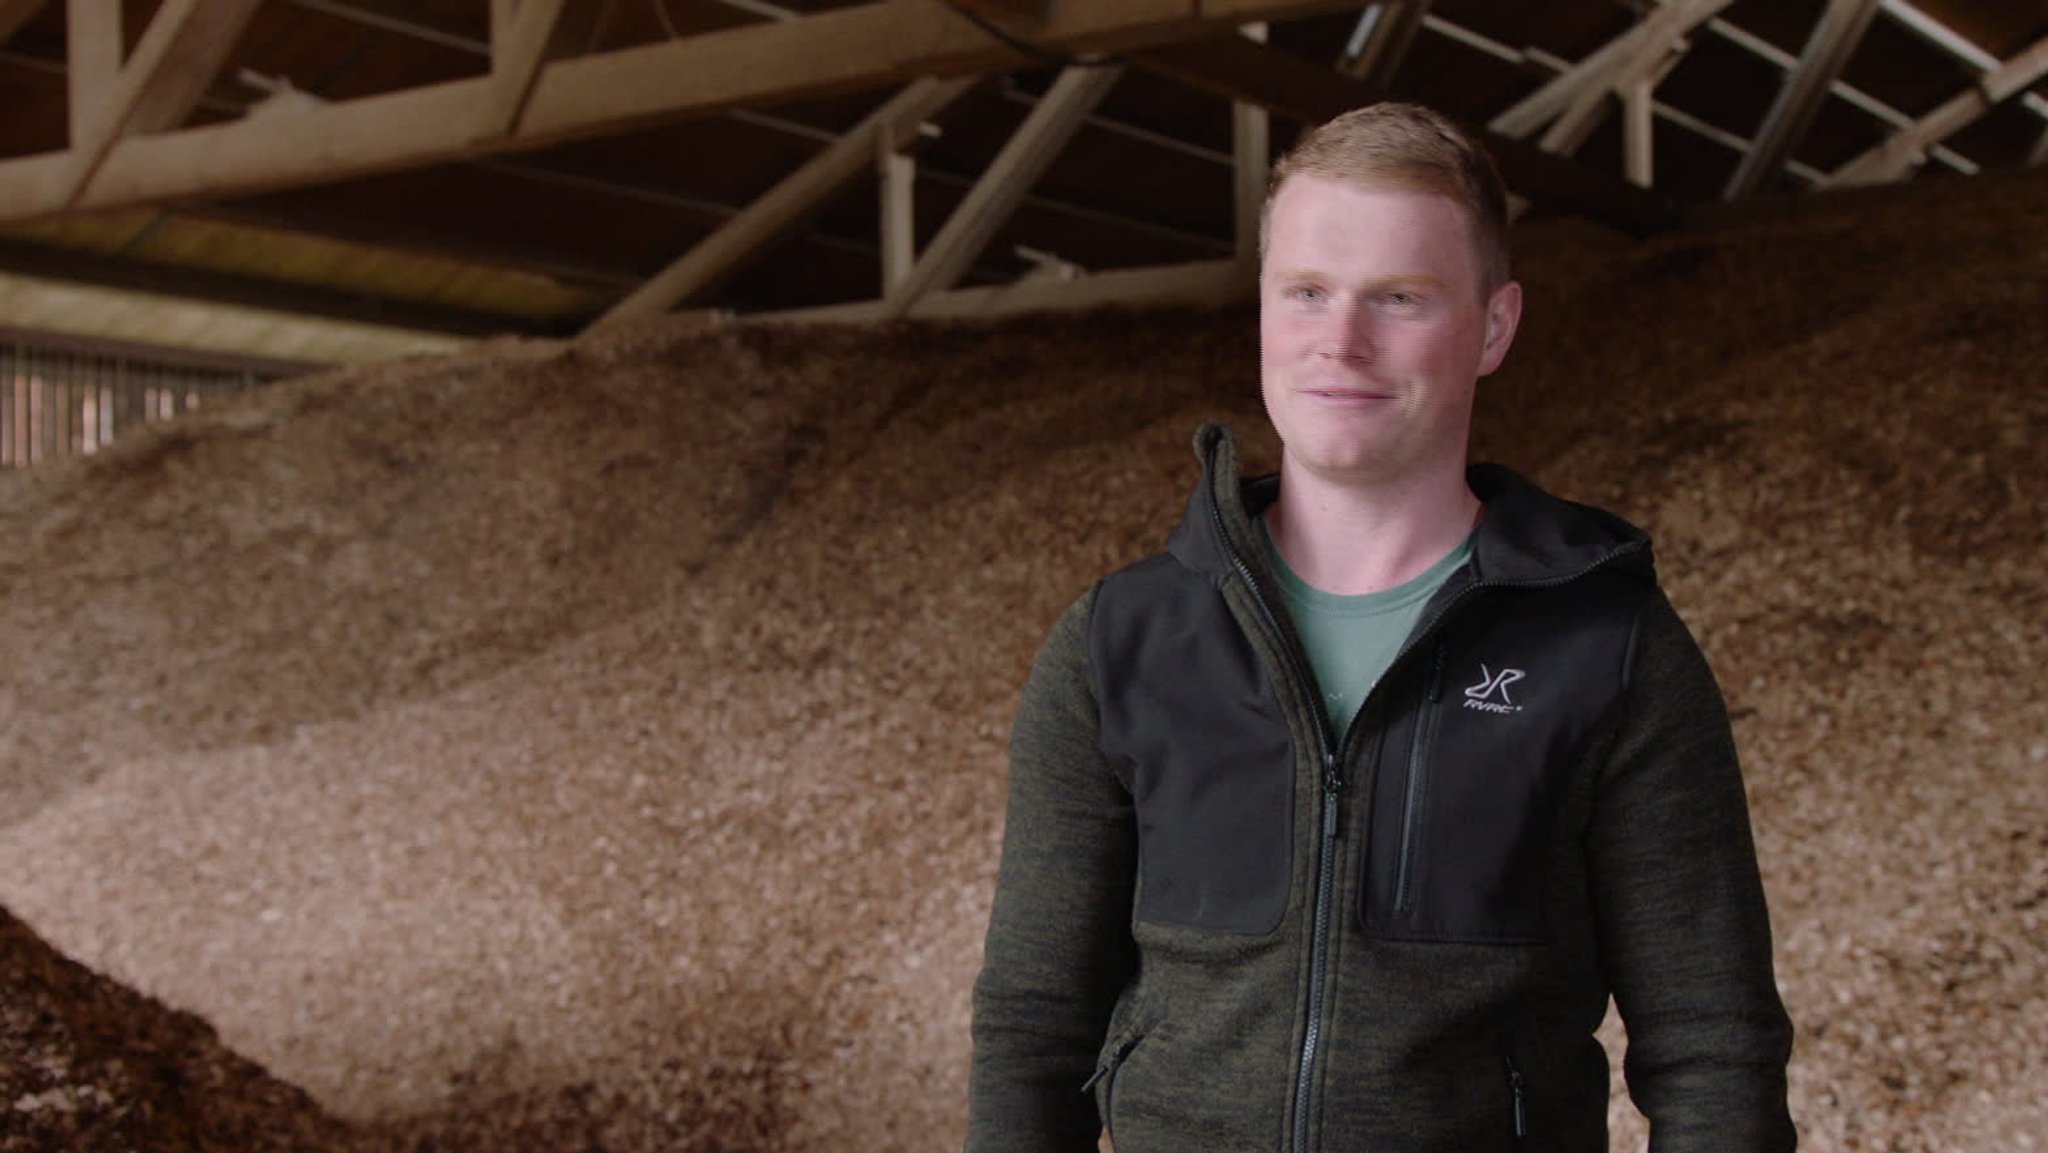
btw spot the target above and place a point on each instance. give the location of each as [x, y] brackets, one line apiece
[1326, 857]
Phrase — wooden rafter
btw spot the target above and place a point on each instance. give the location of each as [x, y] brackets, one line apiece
[1251, 147]
[897, 171]
[861, 48]
[788, 204]
[1202, 283]
[1834, 39]
[1583, 86]
[1636, 75]
[1033, 12]
[14, 14]
[1639, 117]
[158, 86]
[1395, 24]
[1239, 69]
[1905, 148]
[520, 30]
[92, 48]
[239, 290]
[1032, 149]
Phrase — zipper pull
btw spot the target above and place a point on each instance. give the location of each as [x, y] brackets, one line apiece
[1116, 1057]
[1515, 1087]
[1333, 790]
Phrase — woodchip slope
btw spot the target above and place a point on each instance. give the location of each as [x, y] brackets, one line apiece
[600, 746]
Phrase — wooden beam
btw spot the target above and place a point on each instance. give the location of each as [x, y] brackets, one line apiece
[1236, 68]
[1029, 152]
[898, 171]
[503, 14]
[1224, 14]
[205, 284]
[1030, 12]
[519, 46]
[1639, 122]
[1395, 24]
[92, 49]
[1641, 71]
[1834, 39]
[852, 49]
[1251, 144]
[1602, 70]
[178, 57]
[14, 14]
[1907, 147]
[847, 50]
[788, 204]
[185, 45]
[1251, 136]
[1202, 284]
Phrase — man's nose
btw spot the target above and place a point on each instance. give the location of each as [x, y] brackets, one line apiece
[1348, 332]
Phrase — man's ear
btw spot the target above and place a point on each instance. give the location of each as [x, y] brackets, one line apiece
[1503, 316]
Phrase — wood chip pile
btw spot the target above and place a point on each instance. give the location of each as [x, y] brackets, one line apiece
[600, 747]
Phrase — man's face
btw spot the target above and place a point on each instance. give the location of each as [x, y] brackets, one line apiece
[1374, 328]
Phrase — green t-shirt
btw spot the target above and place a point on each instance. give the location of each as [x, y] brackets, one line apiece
[1352, 639]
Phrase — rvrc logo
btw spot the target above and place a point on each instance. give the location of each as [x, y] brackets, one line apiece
[1494, 685]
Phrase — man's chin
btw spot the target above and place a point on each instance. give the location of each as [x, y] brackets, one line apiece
[1347, 464]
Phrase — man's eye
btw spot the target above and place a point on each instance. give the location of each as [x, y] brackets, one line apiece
[1403, 299]
[1306, 293]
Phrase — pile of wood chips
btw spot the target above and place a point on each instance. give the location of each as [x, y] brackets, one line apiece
[601, 746]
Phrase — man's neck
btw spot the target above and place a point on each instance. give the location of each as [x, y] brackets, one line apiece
[1349, 539]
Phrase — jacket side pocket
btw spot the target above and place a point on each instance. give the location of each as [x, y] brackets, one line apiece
[1102, 1082]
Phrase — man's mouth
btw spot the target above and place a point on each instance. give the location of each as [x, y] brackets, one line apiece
[1345, 393]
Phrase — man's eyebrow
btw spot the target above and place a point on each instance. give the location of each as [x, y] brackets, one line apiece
[1403, 280]
[1394, 280]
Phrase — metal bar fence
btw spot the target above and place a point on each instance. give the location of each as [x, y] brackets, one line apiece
[64, 396]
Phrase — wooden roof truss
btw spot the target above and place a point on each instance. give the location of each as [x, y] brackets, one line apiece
[131, 143]
[1912, 144]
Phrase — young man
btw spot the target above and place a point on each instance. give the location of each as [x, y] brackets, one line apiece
[1335, 826]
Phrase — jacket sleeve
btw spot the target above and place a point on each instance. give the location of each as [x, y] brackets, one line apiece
[1058, 949]
[1682, 921]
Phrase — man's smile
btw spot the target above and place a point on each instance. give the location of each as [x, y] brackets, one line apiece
[1345, 393]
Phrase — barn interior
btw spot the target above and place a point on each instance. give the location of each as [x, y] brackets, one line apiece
[507, 503]
[413, 175]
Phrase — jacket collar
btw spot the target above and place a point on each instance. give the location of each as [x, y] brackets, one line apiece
[1526, 536]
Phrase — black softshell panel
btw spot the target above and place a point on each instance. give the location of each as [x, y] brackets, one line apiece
[1188, 712]
[1466, 802]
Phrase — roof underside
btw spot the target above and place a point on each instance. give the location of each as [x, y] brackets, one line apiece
[539, 166]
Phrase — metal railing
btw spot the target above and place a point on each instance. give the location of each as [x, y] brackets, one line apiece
[64, 396]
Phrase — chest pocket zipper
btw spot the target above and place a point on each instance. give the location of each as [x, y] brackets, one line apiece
[1414, 795]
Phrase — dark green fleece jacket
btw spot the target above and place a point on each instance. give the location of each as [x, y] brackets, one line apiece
[1216, 929]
